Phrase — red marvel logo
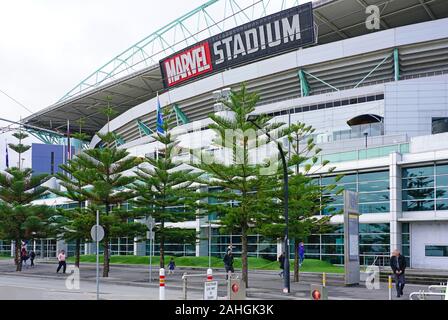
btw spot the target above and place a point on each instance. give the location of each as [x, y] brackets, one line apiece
[188, 64]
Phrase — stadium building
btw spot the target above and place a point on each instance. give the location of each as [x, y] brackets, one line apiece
[375, 91]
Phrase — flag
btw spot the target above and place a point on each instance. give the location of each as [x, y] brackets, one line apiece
[7, 156]
[180, 115]
[68, 141]
[159, 117]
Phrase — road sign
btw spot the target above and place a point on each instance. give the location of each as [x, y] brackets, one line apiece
[150, 235]
[211, 290]
[100, 233]
[150, 221]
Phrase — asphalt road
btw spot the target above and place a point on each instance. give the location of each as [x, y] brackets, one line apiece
[132, 282]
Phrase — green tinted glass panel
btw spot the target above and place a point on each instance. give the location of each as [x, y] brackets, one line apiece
[373, 186]
[374, 228]
[441, 169]
[418, 194]
[372, 176]
[374, 207]
[374, 239]
[418, 171]
[442, 204]
[404, 148]
[442, 193]
[418, 205]
[418, 182]
[347, 178]
[373, 197]
[442, 181]
[405, 228]
[436, 251]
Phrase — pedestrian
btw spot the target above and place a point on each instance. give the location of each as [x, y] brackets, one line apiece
[32, 256]
[171, 266]
[398, 265]
[228, 263]
[62, 263]
[301, 253]
[281, 261]
[23, 256]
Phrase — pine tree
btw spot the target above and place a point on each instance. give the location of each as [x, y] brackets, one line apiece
[306, 198]
[242, 182]
[164, 190]
[73, 224]
[20, 220]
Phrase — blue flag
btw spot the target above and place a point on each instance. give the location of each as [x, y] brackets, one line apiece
[7, 157]
[159, 118]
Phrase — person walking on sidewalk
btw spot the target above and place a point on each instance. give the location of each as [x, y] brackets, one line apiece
[301, 253]
[171, 266]
[228, 263]
[32, 256]
[281, 261]
[62, 263]
[398, 265]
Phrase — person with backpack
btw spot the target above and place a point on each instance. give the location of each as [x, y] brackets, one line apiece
[171, 266]
[23, 256]
[32, 256]
[228, 263]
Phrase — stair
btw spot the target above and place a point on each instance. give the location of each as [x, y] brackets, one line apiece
[418, 278]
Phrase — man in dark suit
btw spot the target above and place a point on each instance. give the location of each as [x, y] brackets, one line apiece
[398, 265]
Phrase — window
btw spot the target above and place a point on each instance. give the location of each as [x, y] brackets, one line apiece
[436, 251]
[379, 97]
[337, 103]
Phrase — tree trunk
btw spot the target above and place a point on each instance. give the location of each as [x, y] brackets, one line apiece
[296, 260]
[162, 251]
[77, 252]
[17, 258]
[106, 258]
[245, 276]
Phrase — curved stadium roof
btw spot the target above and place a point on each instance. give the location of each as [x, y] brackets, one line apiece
[133, 76]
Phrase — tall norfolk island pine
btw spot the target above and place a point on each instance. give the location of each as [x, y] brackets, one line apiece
[107, 172]
[19, 218]
[240, 180]
[163, 189]
[73, 224]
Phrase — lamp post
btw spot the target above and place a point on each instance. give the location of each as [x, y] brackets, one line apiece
[287, 288]
[366, 133]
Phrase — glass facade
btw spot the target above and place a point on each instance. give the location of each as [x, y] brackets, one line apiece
[5, 248]
[374, 243]
[436, 251]
[425, 188]
[406, 242]
[373, 188]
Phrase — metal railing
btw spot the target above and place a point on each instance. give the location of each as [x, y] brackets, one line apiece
[441, 292]
[223, 277]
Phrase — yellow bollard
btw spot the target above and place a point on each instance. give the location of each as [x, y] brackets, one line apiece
[324, 279]
[390, 287]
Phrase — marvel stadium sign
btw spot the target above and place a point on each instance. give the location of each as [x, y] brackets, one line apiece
[271, 35]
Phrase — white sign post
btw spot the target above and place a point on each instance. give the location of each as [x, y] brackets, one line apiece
[97, 234]
[150, 235]
[211, 290]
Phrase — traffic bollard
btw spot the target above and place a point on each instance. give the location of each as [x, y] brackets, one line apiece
[162, 284]
[390, 287]
[209, 274]
[184, 286]
[324, 279]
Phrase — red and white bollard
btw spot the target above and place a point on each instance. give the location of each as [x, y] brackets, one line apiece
[209, 274]
[162, 284]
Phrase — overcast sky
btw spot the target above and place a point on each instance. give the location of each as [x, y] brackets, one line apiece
[48, 46]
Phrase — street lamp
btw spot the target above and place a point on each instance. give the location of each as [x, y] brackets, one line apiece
[287, 288]
[366, 133]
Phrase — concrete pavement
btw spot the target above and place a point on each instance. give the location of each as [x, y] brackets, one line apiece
[132, 282]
